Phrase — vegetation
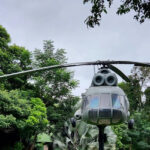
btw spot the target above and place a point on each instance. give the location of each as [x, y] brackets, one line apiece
[140, 7]
[21, 115]
[54, 87]
[30, 104]
[138, 138]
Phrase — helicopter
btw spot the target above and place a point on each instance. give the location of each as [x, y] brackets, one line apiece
[103, 103]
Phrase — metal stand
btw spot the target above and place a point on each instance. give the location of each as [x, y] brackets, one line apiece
[101, 138]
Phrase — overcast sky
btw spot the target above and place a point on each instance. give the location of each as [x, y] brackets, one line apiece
[29, 22]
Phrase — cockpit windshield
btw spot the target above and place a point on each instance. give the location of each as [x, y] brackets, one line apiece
[100, 101]
[105, 100]
[94, 102]
[116, 101]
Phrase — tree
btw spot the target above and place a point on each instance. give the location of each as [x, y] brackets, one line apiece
[138, 138]
[147, 95]
[21, 118]
[135, 89]
[54, 87]
[13, 59]
[25, 101]
[4, 39]
[123, 139]
[141, 134]
[140, 7]
[134, 94]
[142, 74]
[17, 108]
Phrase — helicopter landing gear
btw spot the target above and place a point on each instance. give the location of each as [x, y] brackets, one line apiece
[131, 124]
[102, 137]
[73, 122]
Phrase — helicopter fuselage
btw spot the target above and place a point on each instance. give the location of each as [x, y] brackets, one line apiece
[104, 105]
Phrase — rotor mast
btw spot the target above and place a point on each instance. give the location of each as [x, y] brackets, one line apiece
[101, 137]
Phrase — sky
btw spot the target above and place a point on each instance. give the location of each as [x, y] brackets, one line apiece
[29, 22]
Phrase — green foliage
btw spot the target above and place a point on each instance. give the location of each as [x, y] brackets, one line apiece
[140, 7]
[38, 113]
[13, 59]
[123, 139]
[18, 146]
[43, 138]
[26, 101]
[7, 121]
[83, 137]
[23, 114]
[13, 107]
[39, 146]
[138, 138]
[133, 91]
[141, 133]
[147, 95]
[54, 87]
[4, 38]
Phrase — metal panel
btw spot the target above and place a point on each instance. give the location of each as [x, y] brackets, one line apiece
[105, 101]
[93, 114]
[117, 116]
[105, 113]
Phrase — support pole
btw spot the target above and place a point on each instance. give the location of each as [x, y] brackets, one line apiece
[101, 137]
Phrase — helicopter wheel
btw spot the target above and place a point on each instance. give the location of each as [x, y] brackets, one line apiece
[73, 122]
[131, 124]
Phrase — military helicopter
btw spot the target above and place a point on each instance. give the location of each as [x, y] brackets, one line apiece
[103, 103]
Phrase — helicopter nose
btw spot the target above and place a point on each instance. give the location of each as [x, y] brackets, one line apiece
[100, 116]
[105, 116]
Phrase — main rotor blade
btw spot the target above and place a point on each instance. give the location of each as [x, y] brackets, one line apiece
[119, 72]
[135, 63]
[47, 68]
[73, 65]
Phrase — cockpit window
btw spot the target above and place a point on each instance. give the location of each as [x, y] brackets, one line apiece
[94, 102]
[126, 103]
[116, 101]
[105, 100]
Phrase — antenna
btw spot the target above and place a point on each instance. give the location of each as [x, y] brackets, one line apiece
[94, 69]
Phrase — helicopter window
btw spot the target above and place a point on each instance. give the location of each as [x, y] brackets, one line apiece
[84, 103]
[105, 101]
[126, 104]
[116, 101]
[94, 102]
[122, 101]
